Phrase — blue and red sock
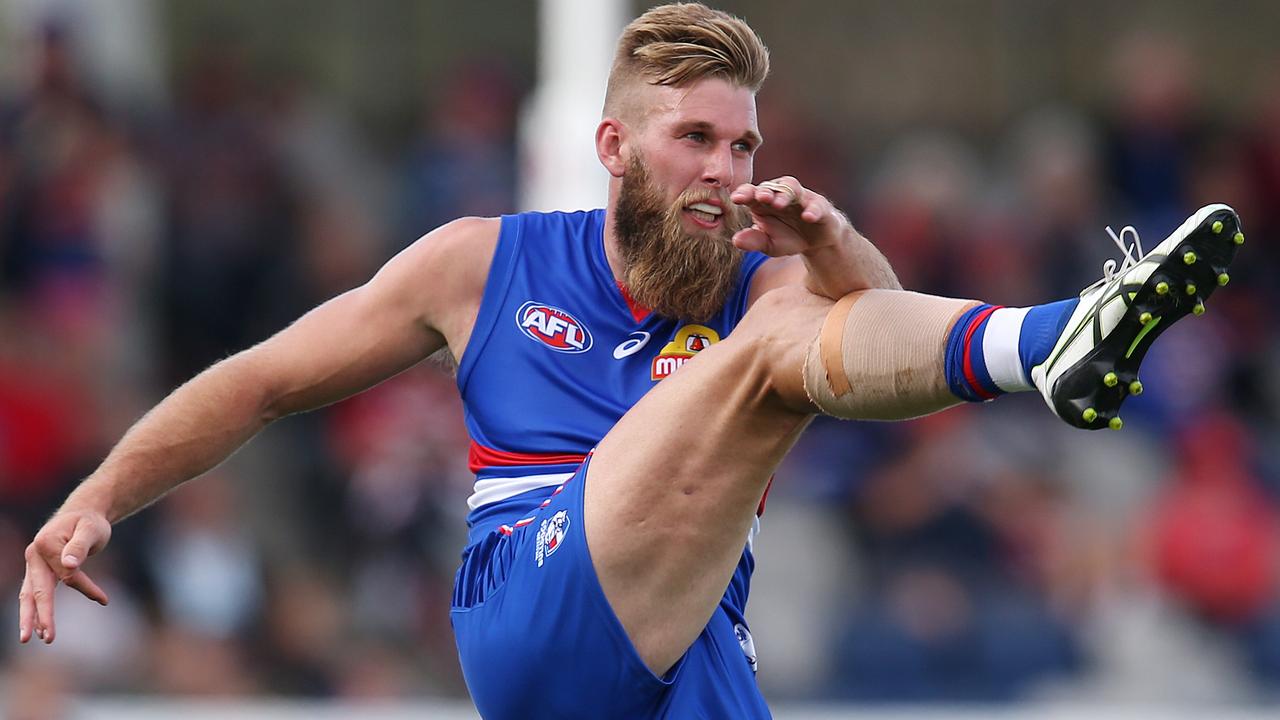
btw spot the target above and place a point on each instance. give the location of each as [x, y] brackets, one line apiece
[992, 349]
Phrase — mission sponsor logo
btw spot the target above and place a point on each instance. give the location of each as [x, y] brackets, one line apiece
[689, 341]
[553, 327]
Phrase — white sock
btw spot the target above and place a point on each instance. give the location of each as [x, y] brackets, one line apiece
[1000, 349]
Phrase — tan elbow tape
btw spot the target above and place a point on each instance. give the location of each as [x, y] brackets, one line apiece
[879, 355]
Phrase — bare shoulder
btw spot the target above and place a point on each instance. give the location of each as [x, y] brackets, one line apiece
[451, 257]
[442, 275]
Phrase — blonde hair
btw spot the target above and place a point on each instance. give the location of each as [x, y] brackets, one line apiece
[682, 43]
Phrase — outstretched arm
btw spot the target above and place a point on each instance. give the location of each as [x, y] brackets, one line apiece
[811, 242]
[424, 296]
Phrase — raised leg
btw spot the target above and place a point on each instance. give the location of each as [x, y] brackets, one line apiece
[673, 488]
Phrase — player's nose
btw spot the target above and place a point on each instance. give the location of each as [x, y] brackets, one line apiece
[717, 170]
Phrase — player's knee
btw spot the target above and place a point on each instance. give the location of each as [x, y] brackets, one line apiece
[783, 316]
[771, 342]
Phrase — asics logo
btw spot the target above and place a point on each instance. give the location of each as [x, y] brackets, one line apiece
[632, 345]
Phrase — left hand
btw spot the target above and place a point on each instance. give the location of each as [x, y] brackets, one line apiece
[786, 218]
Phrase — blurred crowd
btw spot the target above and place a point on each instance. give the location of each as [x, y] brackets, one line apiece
[983, 554]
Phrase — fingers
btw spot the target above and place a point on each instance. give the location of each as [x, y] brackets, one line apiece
[38, 602]
[753, 239]
[85, 540]
[57, 553]
[816, 209]
[26, 611]
[778, 193]
[775, 194]
[87, 587]
[781, 194]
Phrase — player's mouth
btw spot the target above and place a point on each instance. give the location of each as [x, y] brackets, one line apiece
[705, 214]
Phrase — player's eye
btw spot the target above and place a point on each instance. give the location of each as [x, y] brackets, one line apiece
[695, 136]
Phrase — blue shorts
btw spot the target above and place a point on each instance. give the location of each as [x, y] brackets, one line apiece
[538, 639]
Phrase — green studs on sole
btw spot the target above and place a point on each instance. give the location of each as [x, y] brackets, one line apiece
[1135, 388]
[1191, 288]
[1162, 288]
[1223, 279]
[1144, 318]
[1115, 423]
[1239, 238]
[1089, 415]
[1110, 379]
[1189, 257]
[1217, 226]
[1198, 309]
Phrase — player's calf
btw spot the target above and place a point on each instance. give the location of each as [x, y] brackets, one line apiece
[880, 355]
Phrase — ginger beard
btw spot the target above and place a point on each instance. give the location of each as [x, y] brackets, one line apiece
[675, 272]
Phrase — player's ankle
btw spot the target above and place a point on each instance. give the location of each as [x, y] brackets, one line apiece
[991, 349]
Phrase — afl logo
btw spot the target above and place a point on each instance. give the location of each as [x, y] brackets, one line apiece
[553, 327]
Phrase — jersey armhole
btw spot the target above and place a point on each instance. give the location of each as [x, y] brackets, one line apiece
[750, 264]
[496, 286]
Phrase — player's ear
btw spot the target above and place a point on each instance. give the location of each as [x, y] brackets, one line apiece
[610, 137]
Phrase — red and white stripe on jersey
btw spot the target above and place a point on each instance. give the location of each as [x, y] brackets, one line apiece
[494, 489]
[481, 457]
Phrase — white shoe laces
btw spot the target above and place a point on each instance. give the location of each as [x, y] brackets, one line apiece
[1110, 269]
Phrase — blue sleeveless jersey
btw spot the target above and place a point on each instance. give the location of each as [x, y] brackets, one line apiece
[558, 353]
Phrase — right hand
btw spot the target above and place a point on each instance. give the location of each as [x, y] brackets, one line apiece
[786, 218]
[56, 555]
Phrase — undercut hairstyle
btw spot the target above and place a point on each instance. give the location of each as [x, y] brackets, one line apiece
[682, 43]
